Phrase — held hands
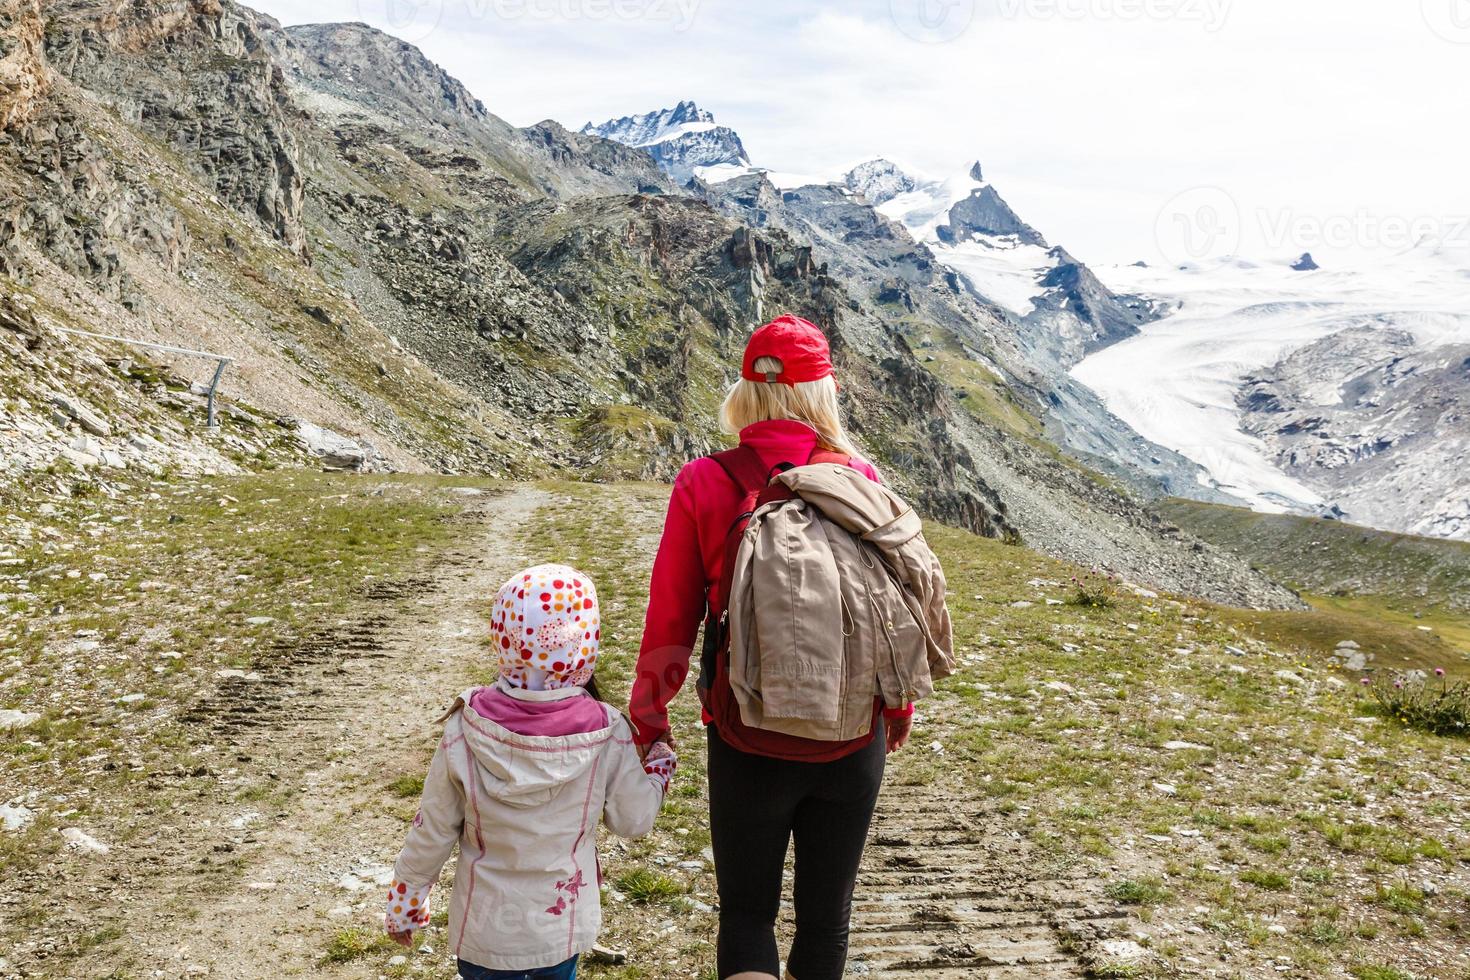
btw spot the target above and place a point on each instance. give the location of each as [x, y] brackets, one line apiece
[660, 762]
[897, 731]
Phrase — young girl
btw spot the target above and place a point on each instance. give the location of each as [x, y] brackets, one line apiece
[524, 772]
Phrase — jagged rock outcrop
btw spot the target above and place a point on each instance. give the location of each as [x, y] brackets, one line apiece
[216, 96]
[985, 212]
[1069, 285]
[1376, 422]
[24, 77]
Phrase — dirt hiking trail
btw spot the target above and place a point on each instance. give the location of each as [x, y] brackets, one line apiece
[352, 708]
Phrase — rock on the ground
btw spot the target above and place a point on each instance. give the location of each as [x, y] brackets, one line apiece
[81, 413]
[336, 451]
[17, 719]
[14, 818]
[83, 841]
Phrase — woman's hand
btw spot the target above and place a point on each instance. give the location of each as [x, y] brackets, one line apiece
[896, 732]
[404, 939]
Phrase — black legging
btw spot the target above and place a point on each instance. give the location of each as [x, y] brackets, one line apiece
[757, 805]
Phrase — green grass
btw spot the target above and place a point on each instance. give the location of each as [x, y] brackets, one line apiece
[1148, 891]
[407, 787]
[1380, 973]
[220, 574]
[647, 887]
[350, 945]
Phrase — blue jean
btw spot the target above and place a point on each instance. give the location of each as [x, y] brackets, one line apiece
[565, 971]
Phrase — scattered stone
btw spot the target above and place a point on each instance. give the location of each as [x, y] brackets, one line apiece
[399, 960]
[131, 698]
[81, 413]
[1168, 789]
[1183, 746]
[1023, 604]
[17, 719]
[14, 818]
[1288, 677]
[260, 620]
[1122, 951]
[370, 877]
[337, 452]
[612, 957]
[82, 841]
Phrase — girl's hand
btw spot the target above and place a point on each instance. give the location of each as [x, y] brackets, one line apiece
[897, 731]
[404, 939]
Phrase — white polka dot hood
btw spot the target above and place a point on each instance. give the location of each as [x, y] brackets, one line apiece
[547, 629]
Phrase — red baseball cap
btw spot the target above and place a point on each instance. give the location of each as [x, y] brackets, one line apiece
[800, 346]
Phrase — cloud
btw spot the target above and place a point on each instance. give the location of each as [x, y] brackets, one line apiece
[1089, 115]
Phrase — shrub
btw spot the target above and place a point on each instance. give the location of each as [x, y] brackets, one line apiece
[1434, 706]
[1094, 590]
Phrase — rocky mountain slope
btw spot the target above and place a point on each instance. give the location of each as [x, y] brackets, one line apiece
[1377, 423]
[388, 261]
[684, 141]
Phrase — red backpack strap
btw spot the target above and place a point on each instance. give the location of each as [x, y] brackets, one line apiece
[823, 456]
[744, 467]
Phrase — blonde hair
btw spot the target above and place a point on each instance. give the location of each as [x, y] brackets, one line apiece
[812, 402]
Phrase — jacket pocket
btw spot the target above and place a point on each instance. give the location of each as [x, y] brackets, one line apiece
[799, 620]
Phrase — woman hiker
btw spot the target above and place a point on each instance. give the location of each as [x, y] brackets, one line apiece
[765, 789]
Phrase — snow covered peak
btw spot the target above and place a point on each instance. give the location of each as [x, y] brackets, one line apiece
[654, 127]
[683, 140]
[878, 181]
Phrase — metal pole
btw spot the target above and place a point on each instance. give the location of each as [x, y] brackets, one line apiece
[219, 374]
[219, 371]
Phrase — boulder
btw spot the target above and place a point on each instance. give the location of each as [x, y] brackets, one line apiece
[81, 413]
[336, 451]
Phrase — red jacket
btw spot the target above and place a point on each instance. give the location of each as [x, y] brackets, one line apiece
[704, 505]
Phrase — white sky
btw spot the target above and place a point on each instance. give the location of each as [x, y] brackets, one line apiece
[1342, 118]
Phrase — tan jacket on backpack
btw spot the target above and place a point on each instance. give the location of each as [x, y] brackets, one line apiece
[836, 599]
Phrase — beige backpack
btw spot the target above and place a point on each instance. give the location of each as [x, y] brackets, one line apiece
[835, 599]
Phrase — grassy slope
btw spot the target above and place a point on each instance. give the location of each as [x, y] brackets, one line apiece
[1356, 577]
[1294, 831]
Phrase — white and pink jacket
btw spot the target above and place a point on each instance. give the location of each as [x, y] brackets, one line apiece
[520, 781]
